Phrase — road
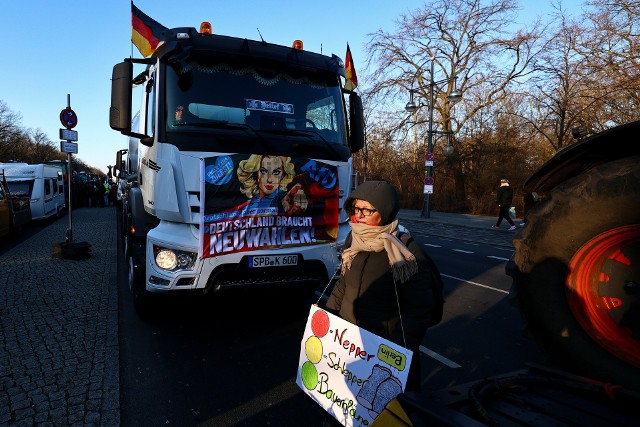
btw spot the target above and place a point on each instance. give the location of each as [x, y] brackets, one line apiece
[481, 333]
[231, 359]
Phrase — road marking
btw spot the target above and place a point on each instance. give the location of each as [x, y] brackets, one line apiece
[498, 257]
[432, 245]
[475, 283]
[440, 358]
[463, 251]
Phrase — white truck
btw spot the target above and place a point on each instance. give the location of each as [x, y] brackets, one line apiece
[43, 183]
[239, 161]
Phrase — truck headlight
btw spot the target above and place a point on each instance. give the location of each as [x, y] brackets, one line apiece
[172, 259]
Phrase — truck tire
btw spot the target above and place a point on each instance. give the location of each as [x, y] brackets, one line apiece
[141, 297]
[577, 281]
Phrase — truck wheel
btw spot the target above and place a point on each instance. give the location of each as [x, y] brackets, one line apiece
[578, 284]
[141, 297]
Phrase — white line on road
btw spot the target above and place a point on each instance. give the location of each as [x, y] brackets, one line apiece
[498, 257]
[463, 251]
[432, 245]
[439, 357]
[475, 283]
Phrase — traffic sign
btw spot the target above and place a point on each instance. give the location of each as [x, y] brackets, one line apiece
[429, 156]
[428, 189]
[68, 147]
[429, 180]
[68, 118]
[69, 135]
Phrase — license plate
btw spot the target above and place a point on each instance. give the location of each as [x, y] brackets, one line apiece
[261, 261]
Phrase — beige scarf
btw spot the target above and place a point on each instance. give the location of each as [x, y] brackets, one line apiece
[372, 238]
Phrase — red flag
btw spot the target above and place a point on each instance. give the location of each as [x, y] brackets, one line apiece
[145, 32]
[350, 71]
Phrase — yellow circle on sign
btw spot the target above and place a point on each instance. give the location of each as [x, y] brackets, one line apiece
[313, 349]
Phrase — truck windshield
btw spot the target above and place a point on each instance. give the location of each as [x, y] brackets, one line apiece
[208, 96]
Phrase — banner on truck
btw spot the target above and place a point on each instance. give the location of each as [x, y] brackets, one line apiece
[251, 202]
[352, 373]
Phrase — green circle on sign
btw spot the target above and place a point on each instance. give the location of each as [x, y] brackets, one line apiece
[309, 375]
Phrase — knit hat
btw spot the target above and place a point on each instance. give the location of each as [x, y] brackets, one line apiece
[381, 195]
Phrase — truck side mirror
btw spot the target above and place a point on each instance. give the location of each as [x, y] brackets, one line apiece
[118, 164]
[356, 122]
[120, 111]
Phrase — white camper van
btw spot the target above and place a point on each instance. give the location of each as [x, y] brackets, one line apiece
[44, 184]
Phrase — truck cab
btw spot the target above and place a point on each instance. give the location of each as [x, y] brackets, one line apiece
[241, 153]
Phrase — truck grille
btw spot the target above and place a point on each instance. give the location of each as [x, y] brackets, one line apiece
[312, 273]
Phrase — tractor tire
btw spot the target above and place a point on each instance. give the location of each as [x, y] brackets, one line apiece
[577, 276]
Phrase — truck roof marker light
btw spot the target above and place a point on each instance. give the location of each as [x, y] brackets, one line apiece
[297, 44]
[205, 28]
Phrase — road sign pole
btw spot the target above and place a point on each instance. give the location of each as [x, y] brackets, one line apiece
[69, 120]
[69, 238]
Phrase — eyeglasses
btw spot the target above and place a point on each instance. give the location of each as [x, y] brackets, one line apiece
[354, 210]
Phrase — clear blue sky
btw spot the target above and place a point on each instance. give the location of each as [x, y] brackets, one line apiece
[54, 48]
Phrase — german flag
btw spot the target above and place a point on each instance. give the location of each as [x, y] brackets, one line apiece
[145, 32]
[350, 71]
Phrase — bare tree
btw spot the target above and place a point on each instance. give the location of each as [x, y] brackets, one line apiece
[43, 149]
[611, 52]
[469, 44]
[556, 97]
[10, 131]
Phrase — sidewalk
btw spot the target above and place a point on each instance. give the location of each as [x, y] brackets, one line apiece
[59, 327]
[467, 220]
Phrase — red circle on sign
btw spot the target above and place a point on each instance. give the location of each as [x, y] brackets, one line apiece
[428, 181]
[68, 118]
[320, 323]
[429, 156]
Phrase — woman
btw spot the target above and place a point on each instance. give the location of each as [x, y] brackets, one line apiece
[385, 285]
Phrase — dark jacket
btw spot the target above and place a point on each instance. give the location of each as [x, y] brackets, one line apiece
[366, 294]
[504, 196]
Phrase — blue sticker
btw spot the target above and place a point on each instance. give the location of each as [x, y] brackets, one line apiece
[219, 173]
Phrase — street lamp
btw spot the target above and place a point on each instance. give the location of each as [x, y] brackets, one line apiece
[411, 107]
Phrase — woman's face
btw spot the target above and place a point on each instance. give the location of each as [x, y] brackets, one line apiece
[269, 175]
[365, 213]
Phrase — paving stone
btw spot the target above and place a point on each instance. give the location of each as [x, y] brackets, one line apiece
[57, 353]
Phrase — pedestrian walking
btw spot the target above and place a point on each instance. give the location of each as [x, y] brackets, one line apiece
[504, 197]
[385, 285]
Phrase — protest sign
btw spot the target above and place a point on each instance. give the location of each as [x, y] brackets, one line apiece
[349, 371]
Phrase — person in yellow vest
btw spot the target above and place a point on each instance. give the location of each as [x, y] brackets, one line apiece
[105, 194]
